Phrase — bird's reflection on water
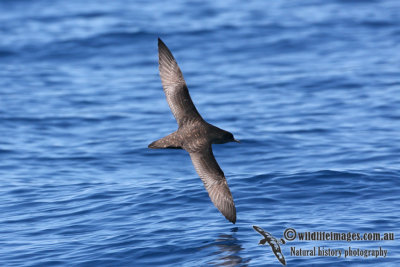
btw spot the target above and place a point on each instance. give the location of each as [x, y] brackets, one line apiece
[228, 250]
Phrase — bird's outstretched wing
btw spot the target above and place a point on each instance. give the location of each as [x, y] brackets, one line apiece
[273, 242]
[214, 181]
[175, 88]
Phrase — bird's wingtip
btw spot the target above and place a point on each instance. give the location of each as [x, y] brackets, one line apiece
[160, 42]
[231, 217]
[162, 48]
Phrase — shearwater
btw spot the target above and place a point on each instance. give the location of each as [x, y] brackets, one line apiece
[194, 134]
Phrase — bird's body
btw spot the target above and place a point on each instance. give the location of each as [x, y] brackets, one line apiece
[194, 134]
[192, 137]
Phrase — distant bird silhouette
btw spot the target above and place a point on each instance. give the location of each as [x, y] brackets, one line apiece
[273, 242]
[194, 134]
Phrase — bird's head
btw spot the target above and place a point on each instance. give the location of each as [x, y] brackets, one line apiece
[227, 137]
[220, 136]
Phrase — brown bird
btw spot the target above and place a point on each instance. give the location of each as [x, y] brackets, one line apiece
[194, 134]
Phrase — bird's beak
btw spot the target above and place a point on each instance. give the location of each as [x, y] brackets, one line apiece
[237, 141]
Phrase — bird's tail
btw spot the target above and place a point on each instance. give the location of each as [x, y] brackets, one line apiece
[172, 141]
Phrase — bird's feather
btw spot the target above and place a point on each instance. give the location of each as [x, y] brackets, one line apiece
[214, 181]
[175, 88]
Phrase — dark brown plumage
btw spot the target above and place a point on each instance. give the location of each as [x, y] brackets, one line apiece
[194, 134]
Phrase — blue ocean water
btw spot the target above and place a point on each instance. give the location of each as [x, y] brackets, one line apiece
[311, 88]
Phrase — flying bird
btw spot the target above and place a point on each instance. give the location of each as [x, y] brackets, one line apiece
[194, 134]
[273, 242]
